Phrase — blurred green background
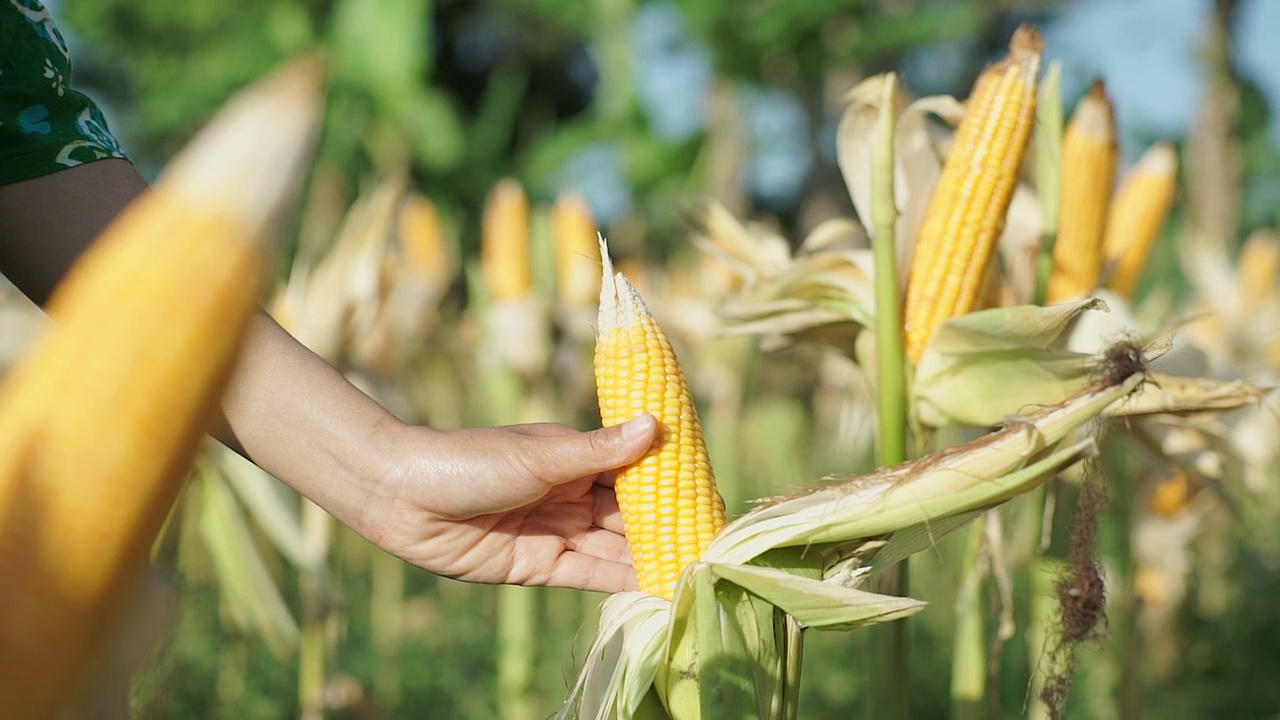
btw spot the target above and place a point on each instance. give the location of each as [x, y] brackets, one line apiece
[644, 108]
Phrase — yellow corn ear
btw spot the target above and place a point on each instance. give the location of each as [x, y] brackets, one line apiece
[1088, 181]
[1171, 495]
[421, 238]
[671, 509]
[505, 254]
[966, 213]
[577, 252]
[1259, 264]
[1138, 214]
[99, 422]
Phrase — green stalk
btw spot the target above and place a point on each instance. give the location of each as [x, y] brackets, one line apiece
[386, 625]
[969, 649]
[313, 642]
[1049, 122]
[1045, 663]
[517, 651]
[890, 369]
[890, 374]
[794, 645]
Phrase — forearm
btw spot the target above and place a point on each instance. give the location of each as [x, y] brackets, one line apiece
[298, 418]
[286, 409]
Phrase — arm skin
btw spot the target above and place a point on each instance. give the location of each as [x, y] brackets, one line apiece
[526, 504]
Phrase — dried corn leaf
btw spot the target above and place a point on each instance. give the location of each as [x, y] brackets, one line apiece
[1169, 395]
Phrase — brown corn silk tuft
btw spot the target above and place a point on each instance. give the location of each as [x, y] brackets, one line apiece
[670, 506]
[966, 213]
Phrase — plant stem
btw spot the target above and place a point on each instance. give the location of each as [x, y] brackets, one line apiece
[517, 651]
[890, 370]
[313, 643]
[968, 651]
[890, 375]
[1049, 120]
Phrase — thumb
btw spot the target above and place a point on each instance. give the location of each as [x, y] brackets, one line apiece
[580, 455]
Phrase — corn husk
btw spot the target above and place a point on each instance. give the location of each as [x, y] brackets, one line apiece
[729, 643]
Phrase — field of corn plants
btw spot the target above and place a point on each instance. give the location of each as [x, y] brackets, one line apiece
[992, 435]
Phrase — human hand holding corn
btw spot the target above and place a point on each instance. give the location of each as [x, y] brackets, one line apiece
[526, 504]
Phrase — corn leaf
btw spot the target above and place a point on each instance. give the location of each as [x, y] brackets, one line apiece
[1168, 395]
[816, 603]
[984, 367]
[272, 506]
[981, 473]
[247, 585]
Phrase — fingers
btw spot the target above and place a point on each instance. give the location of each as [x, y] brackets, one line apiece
[577, 570]
[603, 544]
[563, 458]
[604, 509]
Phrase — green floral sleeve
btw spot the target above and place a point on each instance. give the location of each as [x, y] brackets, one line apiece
[45, 125]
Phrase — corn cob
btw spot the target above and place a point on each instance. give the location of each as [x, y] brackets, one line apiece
[1259, 264]
[1088, 179]
[421, 239]
[670, 506]
[1171, 495]
[100, 421]
[577, 252]
[1138, 215]
[966, 214]
[504, 246]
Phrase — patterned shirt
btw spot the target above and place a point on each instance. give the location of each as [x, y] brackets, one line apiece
[45, 125]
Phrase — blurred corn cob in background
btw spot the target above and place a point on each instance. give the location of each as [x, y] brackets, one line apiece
[1088, 178]
[516, 323]
[94, 451]
[1138, 215]
[967, 211]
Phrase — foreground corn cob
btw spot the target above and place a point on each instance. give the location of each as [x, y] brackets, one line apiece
[670, 506]
[967, 212]
[1088, 177]
[100, 421]
[1141, 207]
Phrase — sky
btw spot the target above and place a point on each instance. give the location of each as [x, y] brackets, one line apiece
[1148, 53]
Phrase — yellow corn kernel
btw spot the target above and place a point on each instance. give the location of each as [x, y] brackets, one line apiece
[967, 212]
[99, 422]
[671, 509]
[505, 255]
[577, 252]
[1088, 180]
[1138, 214]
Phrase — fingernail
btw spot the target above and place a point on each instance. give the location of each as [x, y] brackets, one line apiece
[638, 427]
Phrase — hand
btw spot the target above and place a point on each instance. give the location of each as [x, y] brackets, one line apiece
[524, 504]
